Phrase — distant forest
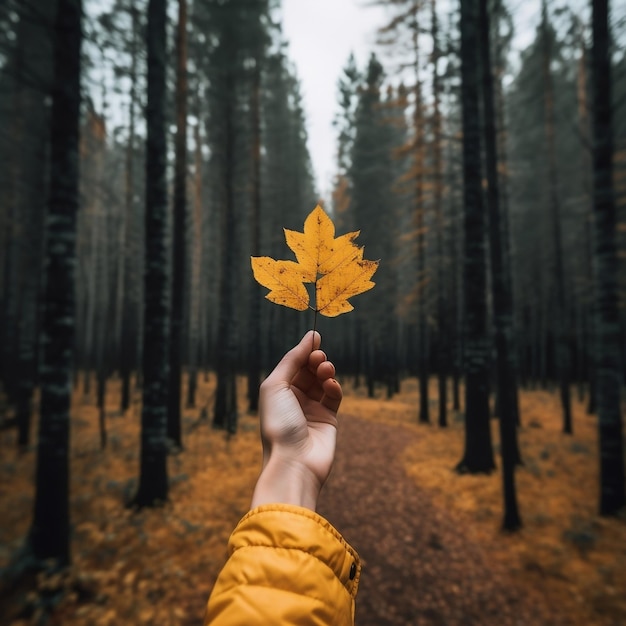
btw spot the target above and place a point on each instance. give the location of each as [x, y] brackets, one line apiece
[150, 148]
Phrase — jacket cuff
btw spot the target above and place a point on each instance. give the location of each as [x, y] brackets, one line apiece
[294, 527]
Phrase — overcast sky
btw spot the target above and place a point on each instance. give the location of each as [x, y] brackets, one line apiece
[321, 35]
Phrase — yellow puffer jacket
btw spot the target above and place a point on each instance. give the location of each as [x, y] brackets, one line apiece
[287, 565]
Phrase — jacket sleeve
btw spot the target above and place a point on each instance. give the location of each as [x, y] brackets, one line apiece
[287, 565]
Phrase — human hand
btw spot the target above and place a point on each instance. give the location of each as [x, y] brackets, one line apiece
[298, 411]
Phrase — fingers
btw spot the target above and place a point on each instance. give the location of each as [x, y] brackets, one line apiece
[318, 383]
[316, 358]
[306, 367]
[296, 359]
[325, 369]
[333, 394]
[306, 378]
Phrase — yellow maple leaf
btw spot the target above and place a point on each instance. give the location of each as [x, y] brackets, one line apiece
[284, 279]
[334, 264]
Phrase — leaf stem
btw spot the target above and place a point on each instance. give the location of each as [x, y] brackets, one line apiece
[314, 328]
[314, 317]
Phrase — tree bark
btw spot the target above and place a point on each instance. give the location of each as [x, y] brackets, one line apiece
[503, 199]
[420, 207]
[442, 341]
[196, 296]
[607, 323]
[180, 226]
[225, 408]
[153, 484]
[130, 301]
[562, 366]
[254, 326]
[478, 453]
[501, 291]
[34, 84]
[49, 535]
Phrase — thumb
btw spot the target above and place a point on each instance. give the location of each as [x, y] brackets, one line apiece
[296, 358]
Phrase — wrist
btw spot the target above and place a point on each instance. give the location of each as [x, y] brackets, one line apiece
[286, 481]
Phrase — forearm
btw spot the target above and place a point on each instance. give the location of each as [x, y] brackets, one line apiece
[286, 481]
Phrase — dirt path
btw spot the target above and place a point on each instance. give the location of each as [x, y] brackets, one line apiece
[419, 566]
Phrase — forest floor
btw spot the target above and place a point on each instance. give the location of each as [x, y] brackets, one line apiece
[430, 539]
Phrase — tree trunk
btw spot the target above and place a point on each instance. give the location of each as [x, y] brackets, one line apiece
[501, 292]
[503, 198]
[130, 302]
[478, 453]
[35, 44]
[102, 321]
[561, 328]
[442, 341]
[180, 234]
[91, 213]
[455, 340]
[196, 296]
[49, 535]
[418, 151]
[225, 409]
[607, 323]
[254, 325]
[153, 484]
[586, 315]
[102, 290]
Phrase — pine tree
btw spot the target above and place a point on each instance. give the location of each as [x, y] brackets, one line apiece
[179, 236]
[559, 312]
[607, 328]
[288, 190]
[258, 39]
[478, 453]
[153, 486]
[437, 140]
[403, 33]
[31, 125]
[344, 122]
[49, 536]
[502, 301]
[371, 177]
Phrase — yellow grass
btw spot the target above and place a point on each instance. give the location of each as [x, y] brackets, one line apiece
[564, 545]
[158, 566]
[149, 567]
